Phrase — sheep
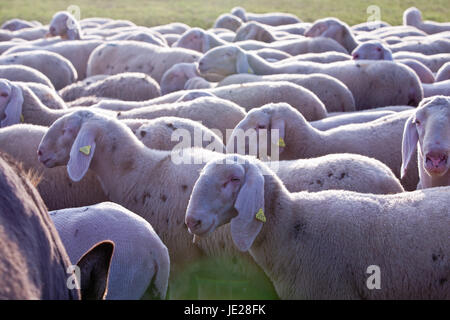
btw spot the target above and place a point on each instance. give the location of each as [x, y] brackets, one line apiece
[18, 24]
[322, 57]
[427, 46]
[159, 203]
[369, 26]
[58, 69]
[114, 24]
[33, 261]
[296, 46]
[25, 74]
[333, 93]
[399, 84]
[428, 126]
[85, 101]
[437, 88]
[65, 25]
[197, 83]
[77, 52]
[274, 54]
[380, 139]
[330, 243]
[175, 77]
[171, 38]
[144, 36]
[190, 95]
[171, 28]
[124, 86]
[162, 133]
[375, 50]
[271, 19]
[198, 40]
[344, 119]
[256, 31]
[55, 187]
[443, 72]
[48, 97]
[213, 113]
[433, 62]
[25, 34]
[413, 17]
[134, 240]
[228, 21]
[131, 56]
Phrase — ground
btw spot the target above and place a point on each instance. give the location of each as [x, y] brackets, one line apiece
[202, 13]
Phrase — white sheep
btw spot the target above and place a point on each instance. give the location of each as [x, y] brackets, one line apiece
[365, 79]
[376, 50]
[197, 83]
[144, 35]
[428, 46]
[332, 238]
[162, 202]
[443, 72]
[132, 56]
[332, 92]
[413, 17]
[18, 24]
[272, 19]
[429, 128]
[365, 116]
[132, 86]
[24, 74]
[322, 57]
[58, 69]
[77, 52]
[65, 25]
[26, 34]
[56, 189]
[199, 40]
[380, 139]
[436, 88]
[48, 97]
[228, 21]
[175, 77]
[256, 31]
[134, 241]
[434, 62]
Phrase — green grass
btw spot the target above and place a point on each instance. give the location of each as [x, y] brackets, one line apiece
[202, 13]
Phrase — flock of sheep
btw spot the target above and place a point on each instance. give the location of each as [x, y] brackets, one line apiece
[356, 120]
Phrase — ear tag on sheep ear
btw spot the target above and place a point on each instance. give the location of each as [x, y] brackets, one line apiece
[281, 143]
[86, 150]
[250, 70]
[260, 215]
[22, 119]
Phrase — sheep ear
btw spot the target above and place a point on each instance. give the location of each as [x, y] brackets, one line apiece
[409, 143]
[13, 109]
[278, 124]
[249, 203]
[242, 65]
[81, 153]
[94, 270]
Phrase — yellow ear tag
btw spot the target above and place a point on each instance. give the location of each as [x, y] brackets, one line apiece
[260, 215]
[22, 118]
[86, 150]
[250, 70]
[281, 143]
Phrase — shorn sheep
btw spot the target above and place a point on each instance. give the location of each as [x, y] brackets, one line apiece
[33, 260]
[134, 240]
[428, 131]
[163, 204]
[65, 25]
[320, 245]
[131, 86]
[133, 56]
[413, 17]
[25, 74]
[302, 140]
[365, 79]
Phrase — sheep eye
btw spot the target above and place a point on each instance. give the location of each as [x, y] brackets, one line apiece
[4, 94]
[379, 49]
[417, 122]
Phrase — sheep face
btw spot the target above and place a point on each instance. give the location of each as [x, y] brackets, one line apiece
[55, 146]
[176, 77]
[412, 17]
[63, 24]
[256, 120]
[221, 62]
[194, 39]
[11, 100]
[372, 50]
[430, 126]
[230, 189]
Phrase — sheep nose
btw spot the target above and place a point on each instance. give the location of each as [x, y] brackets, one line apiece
[436, 158]
[355, 56]
[39, 153]
[193, 223]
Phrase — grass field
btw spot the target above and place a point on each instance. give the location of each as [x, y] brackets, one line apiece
[201, 13]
